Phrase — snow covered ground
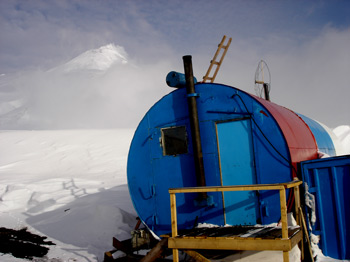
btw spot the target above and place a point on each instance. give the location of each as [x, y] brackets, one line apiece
[67, 185]
[71, 186]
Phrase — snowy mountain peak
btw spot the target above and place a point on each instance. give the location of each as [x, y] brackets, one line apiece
[99, 59]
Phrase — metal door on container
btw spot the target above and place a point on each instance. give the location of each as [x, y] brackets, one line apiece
[236, 158]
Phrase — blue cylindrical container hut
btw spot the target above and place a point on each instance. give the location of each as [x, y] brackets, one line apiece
[245, 140]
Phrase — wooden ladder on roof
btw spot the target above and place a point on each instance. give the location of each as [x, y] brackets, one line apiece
[216, 62]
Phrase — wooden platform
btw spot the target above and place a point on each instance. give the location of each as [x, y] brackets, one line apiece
[237, 238]
[282, 238]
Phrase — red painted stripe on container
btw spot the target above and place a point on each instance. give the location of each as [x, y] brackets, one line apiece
[300, 140]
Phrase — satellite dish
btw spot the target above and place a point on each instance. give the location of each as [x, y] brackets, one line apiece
[262, 80]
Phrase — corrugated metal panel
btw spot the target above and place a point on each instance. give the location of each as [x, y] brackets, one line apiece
[328, 180]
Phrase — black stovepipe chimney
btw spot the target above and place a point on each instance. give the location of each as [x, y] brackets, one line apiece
[194, 122]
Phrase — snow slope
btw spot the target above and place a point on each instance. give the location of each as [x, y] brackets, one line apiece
[69, 186]
[343, 134]
[100, 59]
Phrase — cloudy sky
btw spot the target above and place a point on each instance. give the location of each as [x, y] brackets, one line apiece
[305, 44]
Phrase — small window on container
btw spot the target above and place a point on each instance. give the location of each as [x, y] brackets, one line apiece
[174, 140]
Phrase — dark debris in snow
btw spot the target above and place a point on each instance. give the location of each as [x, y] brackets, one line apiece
[23, 244]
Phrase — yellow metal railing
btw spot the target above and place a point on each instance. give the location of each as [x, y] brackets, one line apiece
[280, 187]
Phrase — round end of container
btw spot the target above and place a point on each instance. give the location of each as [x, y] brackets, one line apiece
[177, 80]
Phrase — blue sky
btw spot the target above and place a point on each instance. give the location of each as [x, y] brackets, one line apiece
[305, 43]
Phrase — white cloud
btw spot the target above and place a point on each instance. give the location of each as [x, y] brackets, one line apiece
[313, 79]
[305, 56]
[310, 77]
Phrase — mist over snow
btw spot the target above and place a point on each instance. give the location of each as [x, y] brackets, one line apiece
[100, 88]
[105, 87]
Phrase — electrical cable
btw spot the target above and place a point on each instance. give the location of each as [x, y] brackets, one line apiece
[263, 133]
[291, 195]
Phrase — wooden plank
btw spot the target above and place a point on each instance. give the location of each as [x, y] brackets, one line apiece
[124, 246]
[297, 238]
[108, 257]
[297, 216]
[235, 188]
[292, 183]
[156, 252]
[219, 243]
[174, 224]
[245, 232]
[196, 256]
[285, 256]
[218, 231]
[262, 232]
[297, 204]
[306, 233]
[284, 219]
[225, 188]
[175, 255]
[173, 215]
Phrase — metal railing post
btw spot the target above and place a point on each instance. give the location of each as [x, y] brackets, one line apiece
[174, 224]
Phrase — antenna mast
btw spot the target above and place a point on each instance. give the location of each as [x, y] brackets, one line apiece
[262, 82]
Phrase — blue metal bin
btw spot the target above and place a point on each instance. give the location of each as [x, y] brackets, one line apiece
[328, 180]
